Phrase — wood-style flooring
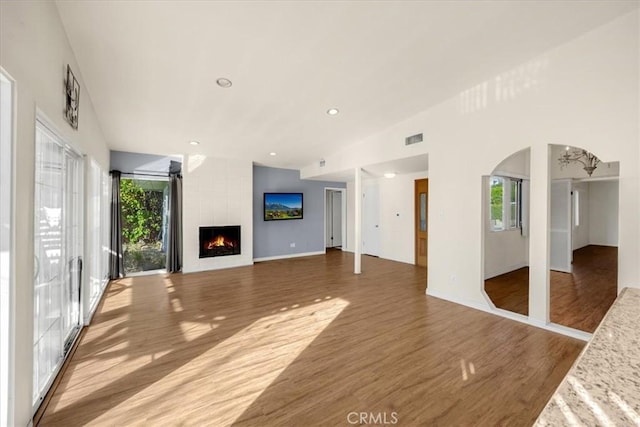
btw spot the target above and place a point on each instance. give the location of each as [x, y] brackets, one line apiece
[578, 300]
[303, 342]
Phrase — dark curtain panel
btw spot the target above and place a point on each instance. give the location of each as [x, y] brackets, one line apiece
[174, 235]
[116, 263]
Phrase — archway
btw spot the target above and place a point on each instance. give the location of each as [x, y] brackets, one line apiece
[506, 240]
[583, 237]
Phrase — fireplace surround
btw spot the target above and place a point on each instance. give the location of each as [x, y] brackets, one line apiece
[219, 241]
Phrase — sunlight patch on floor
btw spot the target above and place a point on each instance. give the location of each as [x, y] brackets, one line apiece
[222, 382]
[467, 369]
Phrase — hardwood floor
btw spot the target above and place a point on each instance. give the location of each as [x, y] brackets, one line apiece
[581, 299]
[303, 342]
[578, 300]
[510, 291]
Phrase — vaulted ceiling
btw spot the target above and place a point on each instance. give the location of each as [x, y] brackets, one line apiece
[150, 67]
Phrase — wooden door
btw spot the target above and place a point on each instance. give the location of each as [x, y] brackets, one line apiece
[421, 211]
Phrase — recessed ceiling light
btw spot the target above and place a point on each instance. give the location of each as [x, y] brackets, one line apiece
[332, 111]
[224, 82]
[194, 142]
[272, 153]
[389, 174]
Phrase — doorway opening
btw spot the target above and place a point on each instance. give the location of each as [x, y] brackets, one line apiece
[583, 231]
[335, 218]
[144, 223]
[505, 231]
[583, 237]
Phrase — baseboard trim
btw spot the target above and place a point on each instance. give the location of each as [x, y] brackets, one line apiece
[559, 329]
[287, 256]
[506, 270]
[609, 245]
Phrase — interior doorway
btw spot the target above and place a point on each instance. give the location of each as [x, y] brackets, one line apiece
[583, 230]
[335, 218]
[421, 191]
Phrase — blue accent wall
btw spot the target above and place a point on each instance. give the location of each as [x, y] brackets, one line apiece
[274, 238]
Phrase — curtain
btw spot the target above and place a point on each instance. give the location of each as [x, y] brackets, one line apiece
[116, 264]
[174, 234]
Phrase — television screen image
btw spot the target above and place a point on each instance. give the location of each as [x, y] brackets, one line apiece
[279, 206]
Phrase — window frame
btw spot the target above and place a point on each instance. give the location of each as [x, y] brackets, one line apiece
[508, 183]
[7, 219]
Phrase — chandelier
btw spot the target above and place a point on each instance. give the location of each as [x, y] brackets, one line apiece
[585, 158]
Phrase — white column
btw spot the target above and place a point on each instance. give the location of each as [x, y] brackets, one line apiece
[357, 211]
[539, 235]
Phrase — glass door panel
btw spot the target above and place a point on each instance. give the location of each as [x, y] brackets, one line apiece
[73, 265]
[49, 256]
[58, 214]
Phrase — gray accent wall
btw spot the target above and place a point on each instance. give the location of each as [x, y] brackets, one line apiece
[274, 238]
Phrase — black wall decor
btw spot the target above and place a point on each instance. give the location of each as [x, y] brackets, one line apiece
[72, 97]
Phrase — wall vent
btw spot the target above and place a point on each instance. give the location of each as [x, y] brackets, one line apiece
[322, 163]
[413, 139]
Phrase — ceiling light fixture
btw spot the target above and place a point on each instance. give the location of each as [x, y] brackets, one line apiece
[332, 111]
[224, 82]
[389, 174]
[272, 153]
[194, 142]
[578, 155]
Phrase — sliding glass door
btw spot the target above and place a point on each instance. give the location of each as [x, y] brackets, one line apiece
[6, 241]
[144, 223]
[58, 254]
[97, 227]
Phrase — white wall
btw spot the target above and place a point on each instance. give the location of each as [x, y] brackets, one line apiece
[583, 93]
[349, 246]
[580, 233]
[603, 213]
[34, 50]
[397, 217]
[516, 165]
[216, 192]
[504, 251]
[396, 221]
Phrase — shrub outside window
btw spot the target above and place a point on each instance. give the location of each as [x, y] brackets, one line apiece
[505, 203]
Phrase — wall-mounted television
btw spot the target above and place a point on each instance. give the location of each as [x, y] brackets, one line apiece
[281, 206]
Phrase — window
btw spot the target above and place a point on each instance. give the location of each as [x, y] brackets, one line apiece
[505, 203]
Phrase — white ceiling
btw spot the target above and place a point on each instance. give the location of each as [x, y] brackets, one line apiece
[150, 67]
[407, 165]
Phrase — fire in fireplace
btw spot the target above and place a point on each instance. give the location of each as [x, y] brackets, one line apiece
[219, 241]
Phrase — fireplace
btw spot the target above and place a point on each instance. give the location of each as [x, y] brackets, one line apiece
[219, 241]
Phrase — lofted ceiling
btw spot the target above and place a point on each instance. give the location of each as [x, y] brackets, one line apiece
[150, 67]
